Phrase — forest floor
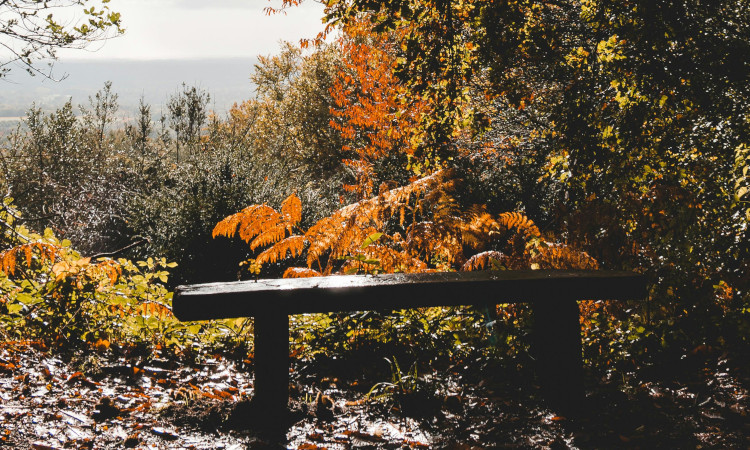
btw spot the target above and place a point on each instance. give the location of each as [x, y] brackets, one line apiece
[118, 399]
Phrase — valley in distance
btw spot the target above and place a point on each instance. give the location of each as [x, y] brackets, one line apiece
[226, 80]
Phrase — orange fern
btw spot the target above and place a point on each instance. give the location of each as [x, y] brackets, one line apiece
[560, 256]
[300, 272]
[438, 236]
[340, 233]
[478, 227]
[392, 260]
[291, 210]
[293, 245]
[481, 261]
[261, 225]
[520, 222]
[435, 240]
[248, 223]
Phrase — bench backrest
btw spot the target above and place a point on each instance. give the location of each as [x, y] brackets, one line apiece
[400, 291]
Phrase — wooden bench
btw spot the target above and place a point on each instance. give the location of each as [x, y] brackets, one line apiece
[553, 294]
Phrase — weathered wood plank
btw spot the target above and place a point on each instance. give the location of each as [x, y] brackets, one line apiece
[400, 291]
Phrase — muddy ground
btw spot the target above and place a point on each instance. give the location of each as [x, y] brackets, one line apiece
[114, 398]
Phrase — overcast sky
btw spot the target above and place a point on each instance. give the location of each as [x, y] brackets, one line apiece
[181, 29]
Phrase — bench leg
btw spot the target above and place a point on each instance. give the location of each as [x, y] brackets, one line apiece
[557, 338]
[272, 369]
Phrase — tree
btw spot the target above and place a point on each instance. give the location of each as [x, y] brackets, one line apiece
[140, 131]
[187, 113]
[637, 109]
[103, 107]
[291, 111]
[377, 117]
[31, 30]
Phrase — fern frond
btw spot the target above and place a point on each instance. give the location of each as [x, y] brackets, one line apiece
[477, 227]
[248, 223]
[560, 256]
[342, 231]
[301, 272]
[520, 222]
[402, 195]
[480, 261]
[293, 244]
[446, 209]
[259, 221]
[269, 236]
[435, 240]
[291, 209]
[321, 236]
[261, 225]
[392, 260]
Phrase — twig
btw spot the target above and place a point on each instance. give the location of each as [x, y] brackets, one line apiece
[118, 251]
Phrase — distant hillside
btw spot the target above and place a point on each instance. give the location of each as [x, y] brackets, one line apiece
[227, 80]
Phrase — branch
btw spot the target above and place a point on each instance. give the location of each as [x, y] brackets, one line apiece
[118, 251]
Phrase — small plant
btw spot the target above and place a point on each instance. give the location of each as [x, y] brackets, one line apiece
[359, 262]
[406, 392]
[401, 383]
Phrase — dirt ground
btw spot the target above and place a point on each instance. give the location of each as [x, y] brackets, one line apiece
[113, 399]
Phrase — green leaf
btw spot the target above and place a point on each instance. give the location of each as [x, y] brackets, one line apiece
[27, 299]
[371, 239]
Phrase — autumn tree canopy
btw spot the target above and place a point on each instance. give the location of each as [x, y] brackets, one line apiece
[377, 116]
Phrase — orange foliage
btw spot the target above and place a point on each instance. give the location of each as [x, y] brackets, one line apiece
[342, 232]
[154, 309]
[520, 222]
[262, 223]
[300, 272]
[558, 256]
[482, 260]
[437, 235]
[9, 258]
[78, 272]
[293, 245]
[82, 271]
[375, 113]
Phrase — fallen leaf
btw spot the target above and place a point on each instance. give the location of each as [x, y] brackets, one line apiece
[308, 446]
[42, 446]
[362, 436]
[165, 434]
